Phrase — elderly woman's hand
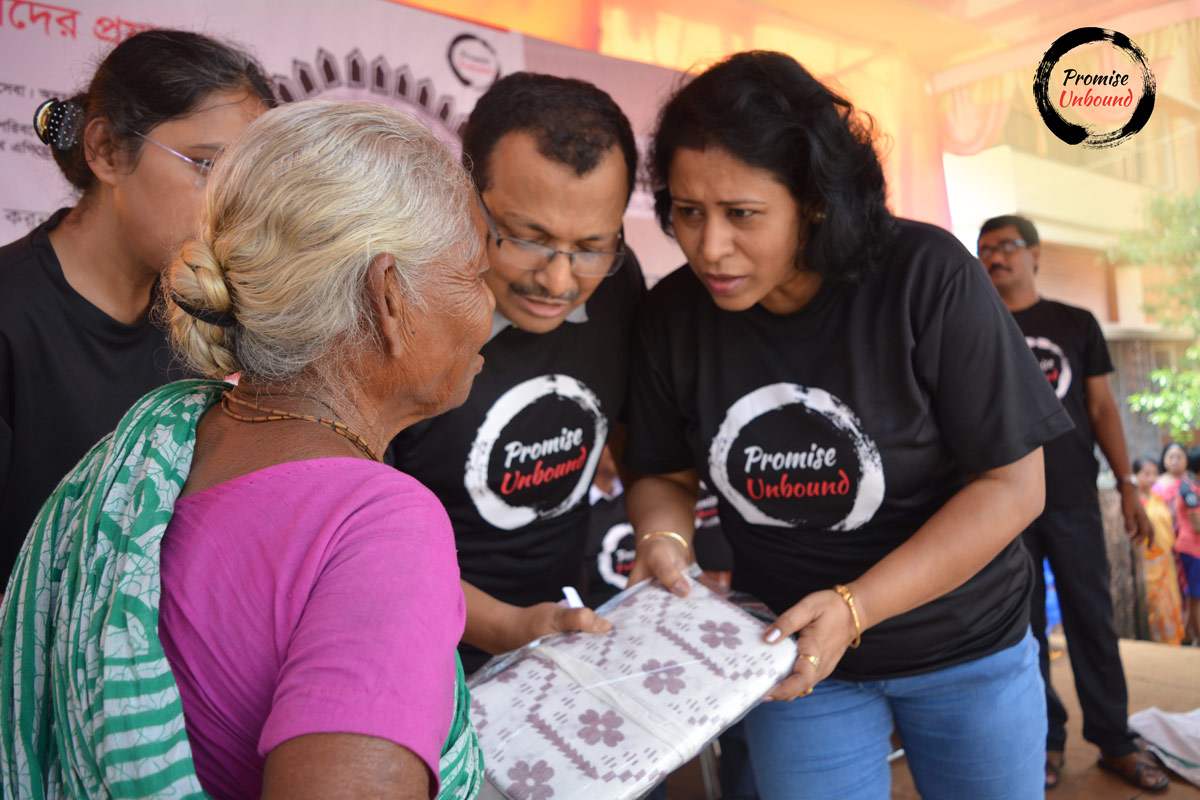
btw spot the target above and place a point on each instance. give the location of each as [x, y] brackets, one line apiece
[497, 627]
[826, 629]
[527, 624]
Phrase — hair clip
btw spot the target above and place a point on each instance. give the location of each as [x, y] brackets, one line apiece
[221, 319]
[57, 122]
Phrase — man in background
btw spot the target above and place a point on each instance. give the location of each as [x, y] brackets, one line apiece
[1070, 348]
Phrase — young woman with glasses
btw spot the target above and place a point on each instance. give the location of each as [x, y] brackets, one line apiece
[77, 345]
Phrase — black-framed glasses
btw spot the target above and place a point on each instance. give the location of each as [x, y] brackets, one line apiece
[1006, 246]
[533, 256]
[203, 166]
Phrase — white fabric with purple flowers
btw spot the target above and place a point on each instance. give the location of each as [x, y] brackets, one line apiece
[608, 717]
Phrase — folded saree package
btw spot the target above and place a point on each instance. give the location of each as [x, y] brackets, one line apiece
[607, 717]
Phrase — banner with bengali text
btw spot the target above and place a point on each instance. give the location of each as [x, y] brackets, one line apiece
[431, 65]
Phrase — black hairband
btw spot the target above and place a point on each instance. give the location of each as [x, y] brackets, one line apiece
[222, 319]
[57, 122]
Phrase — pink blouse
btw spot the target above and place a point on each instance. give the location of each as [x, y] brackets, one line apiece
[315, 596]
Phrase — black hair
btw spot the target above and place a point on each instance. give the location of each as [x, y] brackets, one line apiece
[152, 77]
[767, 110]
[572, 121]
[1162, 459]
[1024, 227]
[1138, 463]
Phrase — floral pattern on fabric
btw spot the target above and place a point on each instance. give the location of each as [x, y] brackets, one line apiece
[663, 677]
[597, 727]
[530, 782]
[718, 635]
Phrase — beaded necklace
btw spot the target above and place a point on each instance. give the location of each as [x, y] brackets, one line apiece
[274, 415]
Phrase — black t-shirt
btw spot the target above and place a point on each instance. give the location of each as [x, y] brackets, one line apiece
[514, 463]
[610, 549]
[68, 373]
[709, 543]
[1070, 348]
[833, 433]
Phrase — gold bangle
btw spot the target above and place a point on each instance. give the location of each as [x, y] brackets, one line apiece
[846, 594]
[672, 534]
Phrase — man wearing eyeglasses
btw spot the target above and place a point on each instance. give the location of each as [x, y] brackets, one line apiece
[1070, 347]
[554, 161]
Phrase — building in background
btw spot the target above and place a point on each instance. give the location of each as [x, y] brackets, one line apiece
[1000, 158]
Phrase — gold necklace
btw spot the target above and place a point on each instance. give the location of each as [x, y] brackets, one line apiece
[274, 415]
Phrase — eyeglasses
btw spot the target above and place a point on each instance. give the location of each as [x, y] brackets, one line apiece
[1006, 246]
[532, 256]
[203, 166]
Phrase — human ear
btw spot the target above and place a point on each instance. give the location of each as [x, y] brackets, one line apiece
[107, 162]
[387, 302]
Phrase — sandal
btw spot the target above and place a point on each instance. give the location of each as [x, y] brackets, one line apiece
[1054, 764]
[1140, 769]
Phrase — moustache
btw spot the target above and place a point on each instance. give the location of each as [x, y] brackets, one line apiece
[536, 292]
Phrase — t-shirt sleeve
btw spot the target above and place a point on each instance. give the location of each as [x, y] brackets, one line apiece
[992, 402]
[657, 441]
[373, 653]
[1096, 360]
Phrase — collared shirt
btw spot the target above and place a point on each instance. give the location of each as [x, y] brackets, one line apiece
[500, 322]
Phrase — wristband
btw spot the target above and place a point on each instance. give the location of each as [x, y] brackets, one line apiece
[673, 535]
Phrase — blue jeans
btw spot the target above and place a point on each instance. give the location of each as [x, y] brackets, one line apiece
[976, 730]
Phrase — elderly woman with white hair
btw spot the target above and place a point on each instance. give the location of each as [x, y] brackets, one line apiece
[235, 557]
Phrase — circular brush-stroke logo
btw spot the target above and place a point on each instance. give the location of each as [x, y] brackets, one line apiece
[1087, 135]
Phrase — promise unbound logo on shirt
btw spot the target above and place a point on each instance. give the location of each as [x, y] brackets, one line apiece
[1055, 365]
[535, 452]
[813, 461]
[788, 456]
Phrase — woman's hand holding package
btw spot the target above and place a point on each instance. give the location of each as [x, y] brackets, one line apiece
[662, 509]
[664, 559]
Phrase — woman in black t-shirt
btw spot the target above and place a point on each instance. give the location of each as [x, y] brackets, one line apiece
[872, 420]
[77, 346]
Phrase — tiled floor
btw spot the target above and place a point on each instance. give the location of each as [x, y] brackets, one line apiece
[1157, 675]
